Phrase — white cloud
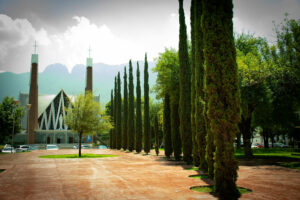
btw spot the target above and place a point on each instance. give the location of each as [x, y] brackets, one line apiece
[15, 35]
[69, 47]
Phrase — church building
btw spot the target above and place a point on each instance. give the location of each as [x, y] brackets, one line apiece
[44, 118]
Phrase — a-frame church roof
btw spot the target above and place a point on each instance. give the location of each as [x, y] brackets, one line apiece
[52, 116]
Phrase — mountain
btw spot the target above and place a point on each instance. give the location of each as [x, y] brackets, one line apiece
[56, 77]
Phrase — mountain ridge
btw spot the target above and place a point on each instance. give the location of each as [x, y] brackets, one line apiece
[56, 77]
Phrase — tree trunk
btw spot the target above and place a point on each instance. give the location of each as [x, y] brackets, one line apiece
[238, 140]
[79, 145]
[246, 130]
[266, 133]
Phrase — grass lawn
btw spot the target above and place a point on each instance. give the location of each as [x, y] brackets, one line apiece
[209, 189]
[285, 157]
[271, 152]
[203, 177]
[76, 156]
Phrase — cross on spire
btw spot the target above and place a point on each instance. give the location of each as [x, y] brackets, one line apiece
[90, 51]
[35, 46]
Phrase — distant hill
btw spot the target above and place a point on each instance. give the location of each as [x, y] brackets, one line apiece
[56, 77]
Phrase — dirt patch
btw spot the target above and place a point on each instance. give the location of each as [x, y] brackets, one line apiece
[129, 176]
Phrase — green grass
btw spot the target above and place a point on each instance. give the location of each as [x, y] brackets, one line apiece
[293, 165]
[76, 156]
[271, 152]
[193, 168]
[210, 189]
[203, 177]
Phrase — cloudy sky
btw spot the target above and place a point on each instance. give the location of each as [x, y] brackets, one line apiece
[116, 30]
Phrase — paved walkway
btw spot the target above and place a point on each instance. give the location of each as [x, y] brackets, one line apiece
[129, 176]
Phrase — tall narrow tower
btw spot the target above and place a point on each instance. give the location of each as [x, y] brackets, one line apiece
[33, 98]
[89, 74]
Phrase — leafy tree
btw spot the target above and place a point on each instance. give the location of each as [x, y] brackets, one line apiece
[185, 89]
[147, 135]
[119, 113]
[167, 81]
[285, 84]
[167, 127]
[131, 111]
[222, 91]
[156, 135]
[10, 118]
[125, 113]
[138, 127]
[253, 70]
[86, 117]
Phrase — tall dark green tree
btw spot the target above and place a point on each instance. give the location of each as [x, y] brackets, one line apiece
[199, 88]
[139, 126]
[119, 113]
[167, 127]
[125, 113]
[185, 89]
[193, 91]
[156, 135]
[222, 89]
[111, 115]
[131, 132]
[115, 130]
[147, 135]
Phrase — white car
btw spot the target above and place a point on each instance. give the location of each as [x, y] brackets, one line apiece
[52, 147]
[22, 148]
[8, 150]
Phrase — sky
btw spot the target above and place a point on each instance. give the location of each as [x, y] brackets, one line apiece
[115, 30]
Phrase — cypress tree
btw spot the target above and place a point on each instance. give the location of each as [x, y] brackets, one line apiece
[156, 135]
[125, 113]
[111, 115]
[196, 158]
[185, 89]
[147, 135]
[200, 120]
[222, 90]
[115, 116]
[119, 114]
[130, 120]
[167, 127]
[138, 127]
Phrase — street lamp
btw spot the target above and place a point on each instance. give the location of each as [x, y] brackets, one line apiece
[28, 108]
[13, 128]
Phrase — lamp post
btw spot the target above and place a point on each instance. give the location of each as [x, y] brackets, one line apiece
[28, 108]
[13, 128]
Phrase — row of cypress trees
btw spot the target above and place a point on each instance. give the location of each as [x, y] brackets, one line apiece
[209, 104]
[209, 98]
[127, 133]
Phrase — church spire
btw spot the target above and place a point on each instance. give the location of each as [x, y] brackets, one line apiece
[89, 73]
[33, 98]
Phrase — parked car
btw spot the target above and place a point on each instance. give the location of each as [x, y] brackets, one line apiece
[280, 145]
[31, 148]
[52, 147]
[8, 150]
[255, 146]
[102, 147]
[84, 146]
[22, 148]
